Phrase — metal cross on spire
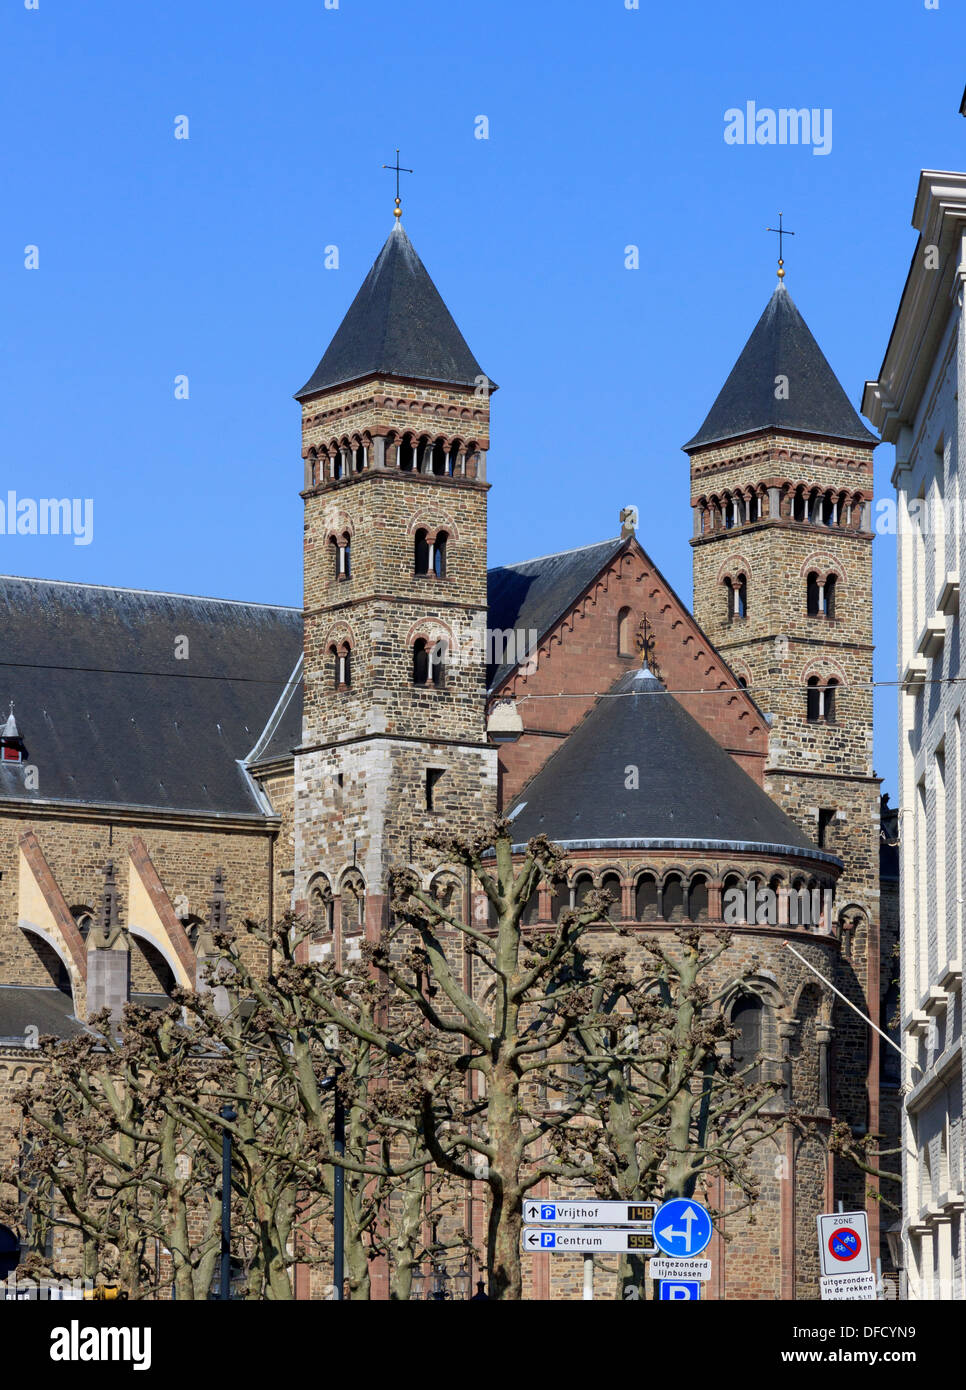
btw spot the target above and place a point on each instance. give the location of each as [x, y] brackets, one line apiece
[781, 232]
[398, 168]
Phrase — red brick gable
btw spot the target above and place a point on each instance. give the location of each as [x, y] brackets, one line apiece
[578, 659]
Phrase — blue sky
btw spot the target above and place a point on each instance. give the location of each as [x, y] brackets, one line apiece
[160, 257]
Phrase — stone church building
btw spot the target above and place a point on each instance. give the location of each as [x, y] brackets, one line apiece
[307, 752]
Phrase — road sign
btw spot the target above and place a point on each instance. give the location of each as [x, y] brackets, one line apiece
[679, 1269]
[843, 1243]
[682, 1227]
[593, 1240]
[679, 1291]
[854, 1287]
[569, 1213]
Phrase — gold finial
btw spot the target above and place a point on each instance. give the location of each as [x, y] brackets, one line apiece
[781, 232]
[398, 169]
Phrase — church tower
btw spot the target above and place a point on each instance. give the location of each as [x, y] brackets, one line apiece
[395, 432]
[781, 488]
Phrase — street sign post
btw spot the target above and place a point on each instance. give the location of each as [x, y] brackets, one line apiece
[551, 1212]
[682, 1228]
[594, 1240]
[843, 1243]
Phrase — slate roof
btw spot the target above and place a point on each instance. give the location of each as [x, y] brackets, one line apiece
[50, 1011]
[397, 325]
[108, 713]
[781, 344]
[691, 793]
[532, 596]
[47, 1009]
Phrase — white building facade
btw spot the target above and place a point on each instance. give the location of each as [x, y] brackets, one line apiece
[918, 404]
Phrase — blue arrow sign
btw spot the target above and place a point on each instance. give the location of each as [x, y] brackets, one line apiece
[680, 1290]
[681, 1227]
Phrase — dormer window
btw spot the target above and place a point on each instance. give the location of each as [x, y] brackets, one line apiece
[12, 748]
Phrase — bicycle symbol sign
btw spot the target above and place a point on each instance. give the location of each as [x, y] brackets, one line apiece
[844, 1244]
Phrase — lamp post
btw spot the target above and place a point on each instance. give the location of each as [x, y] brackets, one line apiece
[229, 1115]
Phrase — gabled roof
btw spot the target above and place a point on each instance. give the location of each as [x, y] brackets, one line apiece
[110, 715]
[398, 326]
[530, 597]
[782, 345]
[690, 790]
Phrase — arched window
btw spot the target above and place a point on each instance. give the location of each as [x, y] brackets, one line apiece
[812, 606]
[645, 898]
[441, 463]
[747, 1015]
[733, 898]
[346, 550]
[341, 665]
[421, 548]
[337, 464]
[439, 555]
[672, 899]
[698, 899]
[420, 661]
[624, 642]
[560, 900]
[612, 884]
[813, 700]
[830, 690]
[583, 887]
[741, 597]
[799, 505]
[830, 596]
[437, 664]
[353, 915]
[729, 599]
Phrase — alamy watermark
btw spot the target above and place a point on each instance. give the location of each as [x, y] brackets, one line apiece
[763, 125]
[48, 516]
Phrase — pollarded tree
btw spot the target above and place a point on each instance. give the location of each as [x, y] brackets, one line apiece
[669, 1109]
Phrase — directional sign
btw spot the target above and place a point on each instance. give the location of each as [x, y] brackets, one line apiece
[679, 1269]
[592, 1241]
[589, 1213]
[843, 1243]
[682, 1227]
[679, 1291]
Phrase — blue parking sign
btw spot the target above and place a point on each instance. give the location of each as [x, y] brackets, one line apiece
[548, 1212]
[548, 1240]
[680, 1291]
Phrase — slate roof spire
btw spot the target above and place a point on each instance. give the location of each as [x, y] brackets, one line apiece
[396, 326]
[781, 381]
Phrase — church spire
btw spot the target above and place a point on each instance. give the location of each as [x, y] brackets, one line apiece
[397, 326]
[782, 381]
